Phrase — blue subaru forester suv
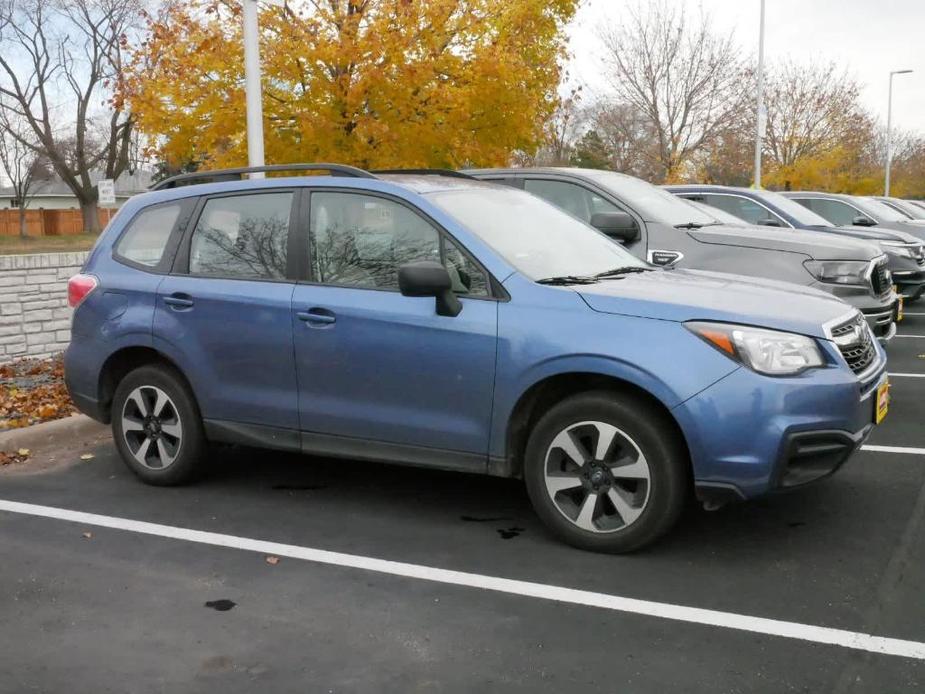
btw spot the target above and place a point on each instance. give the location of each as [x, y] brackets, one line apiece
[441, 321]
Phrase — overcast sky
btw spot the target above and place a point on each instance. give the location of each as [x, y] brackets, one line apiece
[869, 37]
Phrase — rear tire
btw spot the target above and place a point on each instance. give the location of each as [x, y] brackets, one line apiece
[633, 480]
[157, 427]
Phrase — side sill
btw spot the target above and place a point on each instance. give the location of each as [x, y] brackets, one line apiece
[386, 452]
[256, 435]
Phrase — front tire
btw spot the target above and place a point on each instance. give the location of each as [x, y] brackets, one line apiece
[157, 427]
[606, 471]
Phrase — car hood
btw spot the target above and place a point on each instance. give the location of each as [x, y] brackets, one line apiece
[684, 295]
[870, 233]
[812, 244]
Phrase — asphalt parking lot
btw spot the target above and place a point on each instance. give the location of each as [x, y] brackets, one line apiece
[820, 590]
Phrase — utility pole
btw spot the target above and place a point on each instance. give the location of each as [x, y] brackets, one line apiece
[254, 96]
[762, 114]
[889, 131]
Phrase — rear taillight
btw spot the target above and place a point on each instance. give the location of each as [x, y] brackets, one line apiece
[79, 288]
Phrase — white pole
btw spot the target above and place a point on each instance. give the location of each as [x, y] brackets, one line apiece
[252, 87]
[889, 131]
[761, 115]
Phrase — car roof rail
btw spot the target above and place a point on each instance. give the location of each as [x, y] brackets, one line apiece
[428, 172]
[237, 174]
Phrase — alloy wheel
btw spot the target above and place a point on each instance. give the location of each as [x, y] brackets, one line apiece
[597, 477]
[151, 427]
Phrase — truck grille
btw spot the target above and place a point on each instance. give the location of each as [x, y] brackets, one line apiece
[855, 344]
[880, 279]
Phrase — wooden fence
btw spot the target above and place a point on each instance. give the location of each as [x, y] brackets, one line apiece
[43, 222]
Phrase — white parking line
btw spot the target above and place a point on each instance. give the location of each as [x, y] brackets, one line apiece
[894, 449]
[898, 375]
[727, 620]
[898, 335]
[906, 313]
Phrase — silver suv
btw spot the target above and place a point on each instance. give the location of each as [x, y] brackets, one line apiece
[665, 230]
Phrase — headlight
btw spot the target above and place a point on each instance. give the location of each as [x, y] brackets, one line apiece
[901, 249]
[770, 352]
[839, 271]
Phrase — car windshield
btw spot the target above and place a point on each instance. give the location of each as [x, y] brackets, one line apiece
[802, 215]
[883, 212]
[880, 211]
[538, 239]
[653, 203]
[906, 208]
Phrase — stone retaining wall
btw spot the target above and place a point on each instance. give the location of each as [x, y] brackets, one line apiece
[35, 320]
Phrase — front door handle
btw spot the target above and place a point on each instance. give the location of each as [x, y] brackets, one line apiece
[179, 301]
[317, 316]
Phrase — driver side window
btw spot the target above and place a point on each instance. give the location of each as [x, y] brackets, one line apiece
[743, 208]
[577, 201]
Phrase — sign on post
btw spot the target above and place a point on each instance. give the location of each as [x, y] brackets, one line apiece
[107, 191]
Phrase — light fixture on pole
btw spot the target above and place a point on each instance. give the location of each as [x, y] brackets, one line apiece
[889, 131]
[762, 114]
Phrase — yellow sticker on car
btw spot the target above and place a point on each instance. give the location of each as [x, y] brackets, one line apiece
[883, 401]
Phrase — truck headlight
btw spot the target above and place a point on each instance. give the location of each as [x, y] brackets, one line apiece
[770, 352]
[839, 271]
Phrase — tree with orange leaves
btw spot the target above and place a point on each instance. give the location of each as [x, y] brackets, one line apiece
[375, 83]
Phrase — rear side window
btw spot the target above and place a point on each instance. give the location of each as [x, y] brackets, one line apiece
[243, 236]
[146, 237]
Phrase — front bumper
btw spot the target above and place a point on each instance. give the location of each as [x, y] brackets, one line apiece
[750, 434]
[911, 284]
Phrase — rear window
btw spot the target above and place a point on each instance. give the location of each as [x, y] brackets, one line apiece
[146, 237]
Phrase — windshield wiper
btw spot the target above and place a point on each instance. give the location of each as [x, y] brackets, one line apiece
[689, 225]
[625, 270]
[563, 280]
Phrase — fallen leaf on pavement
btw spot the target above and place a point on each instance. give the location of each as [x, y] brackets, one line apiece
[87, 456]
[23, 451]
[9, 458]
[273, 560]
[88, 535]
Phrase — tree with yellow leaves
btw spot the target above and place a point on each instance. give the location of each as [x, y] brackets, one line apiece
[375, 83]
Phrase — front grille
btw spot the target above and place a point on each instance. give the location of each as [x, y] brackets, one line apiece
[880, 279]
[855, 344]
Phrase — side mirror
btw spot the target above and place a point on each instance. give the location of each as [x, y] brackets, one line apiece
[429, 278]
[862, 221]
[769, 222]
[619, 226]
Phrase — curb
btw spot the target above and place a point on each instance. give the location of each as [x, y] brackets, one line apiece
[39, 435]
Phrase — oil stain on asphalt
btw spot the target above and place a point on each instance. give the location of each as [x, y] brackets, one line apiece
[220, 605]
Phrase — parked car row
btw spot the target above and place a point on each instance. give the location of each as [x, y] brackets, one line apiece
[659, 227]
[827, 213]
[435, 319]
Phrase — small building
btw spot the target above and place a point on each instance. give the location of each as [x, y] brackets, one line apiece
[53, 194]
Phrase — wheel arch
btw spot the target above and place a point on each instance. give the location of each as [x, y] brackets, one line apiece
[120, 363]
[548, 391]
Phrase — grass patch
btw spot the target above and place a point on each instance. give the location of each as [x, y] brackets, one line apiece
[16, 245]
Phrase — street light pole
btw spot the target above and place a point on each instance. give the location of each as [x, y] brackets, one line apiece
[762, 114]
[889, 131]
[254, 97]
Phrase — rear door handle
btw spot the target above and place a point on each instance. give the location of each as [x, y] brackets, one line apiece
[317, 316]
[179, 301]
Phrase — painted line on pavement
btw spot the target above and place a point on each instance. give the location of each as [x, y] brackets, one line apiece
[695, 615]
[898, 335]
[898, 375]
[906, 313]
[894, 449]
